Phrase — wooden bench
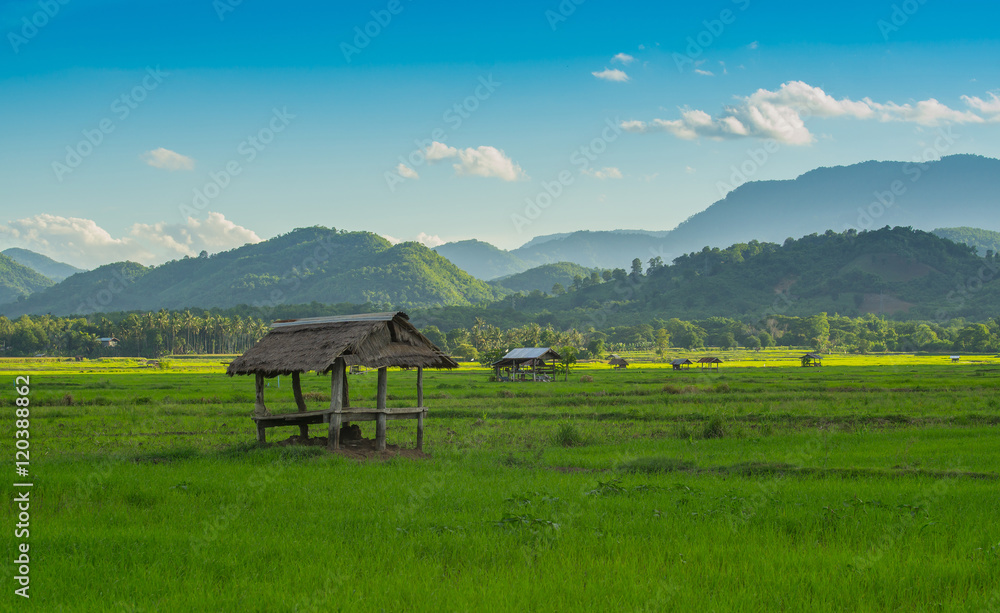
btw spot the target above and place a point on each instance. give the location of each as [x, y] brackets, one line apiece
[336, 418]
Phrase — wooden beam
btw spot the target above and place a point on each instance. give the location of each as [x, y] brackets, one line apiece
[259, 408]
[333, 432]
[420, 431]
[347, 397]
[261, 437]
[420, 386]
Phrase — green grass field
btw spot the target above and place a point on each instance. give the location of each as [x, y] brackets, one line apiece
[869, 484]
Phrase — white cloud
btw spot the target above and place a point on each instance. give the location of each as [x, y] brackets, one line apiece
[706, 73]
[429, 240]
[167, 159]
[689, 170]
[753, 45]
[439, 151]
[406, 172]
[83, 243]
[487, 162]
[483, 161]
[781, 115]
[611, 74]
[391, 239]
[624, 58]
[608, 172]
[990, 108]
[213, 234]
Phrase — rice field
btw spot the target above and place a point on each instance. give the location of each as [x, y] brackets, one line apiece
[869, 484]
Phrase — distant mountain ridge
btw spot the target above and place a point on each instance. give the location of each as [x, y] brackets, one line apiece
[957, 190]
[42, 264]
[306, 265]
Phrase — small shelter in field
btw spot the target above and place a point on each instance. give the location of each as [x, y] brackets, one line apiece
[107, 341]
[680, 363]
[709, 362]
[617, 361]
[527, 364]
[812, 359]
[955, 358]
[332, 345]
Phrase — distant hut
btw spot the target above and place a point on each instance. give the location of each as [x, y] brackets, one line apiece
[709, 362]
[812, 359]
[331, 345]
[617, 361]
[107, 341]
[527, 364]
[680, 363]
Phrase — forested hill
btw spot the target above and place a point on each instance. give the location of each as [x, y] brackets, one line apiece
[984, 241]
[17, 280]
[899, 272]
[306, 265]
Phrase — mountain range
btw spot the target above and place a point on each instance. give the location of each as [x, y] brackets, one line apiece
[957, 190]
[325, 266]
[42, 264]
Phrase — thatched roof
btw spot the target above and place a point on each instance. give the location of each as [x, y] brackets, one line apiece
[709, 360]
[617, 361]
[313, 344]
[527, 354]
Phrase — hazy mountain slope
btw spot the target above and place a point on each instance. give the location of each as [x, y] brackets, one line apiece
[482, 260]
[18, 280]
[42, 264]
[959, 190]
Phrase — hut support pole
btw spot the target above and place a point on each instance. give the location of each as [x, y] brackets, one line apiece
[300, 403]
[336, 403]
[380, 405]
[420, 404]
[259, 408]
[420, 386]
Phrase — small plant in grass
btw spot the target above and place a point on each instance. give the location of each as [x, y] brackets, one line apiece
[568, 436]
[714, 428]
[586, 379]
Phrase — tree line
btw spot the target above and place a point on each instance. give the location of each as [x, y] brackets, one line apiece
[162, 333]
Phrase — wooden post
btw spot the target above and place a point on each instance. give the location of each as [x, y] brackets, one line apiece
[259, 408]
[380, 432]
[336, 403]
[420, 386]
[300, 403]
[347, 396]
[380, 406]
[420, 430]
[261, 437]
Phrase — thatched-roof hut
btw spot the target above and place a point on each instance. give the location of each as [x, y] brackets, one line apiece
[617, 361]
[710, 362]
[681, 363]
[812, 359]
[331, 344]
[527, 364]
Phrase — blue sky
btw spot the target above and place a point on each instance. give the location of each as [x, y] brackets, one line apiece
[133, 129]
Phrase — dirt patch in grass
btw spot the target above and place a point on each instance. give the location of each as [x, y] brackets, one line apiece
[358, 449]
